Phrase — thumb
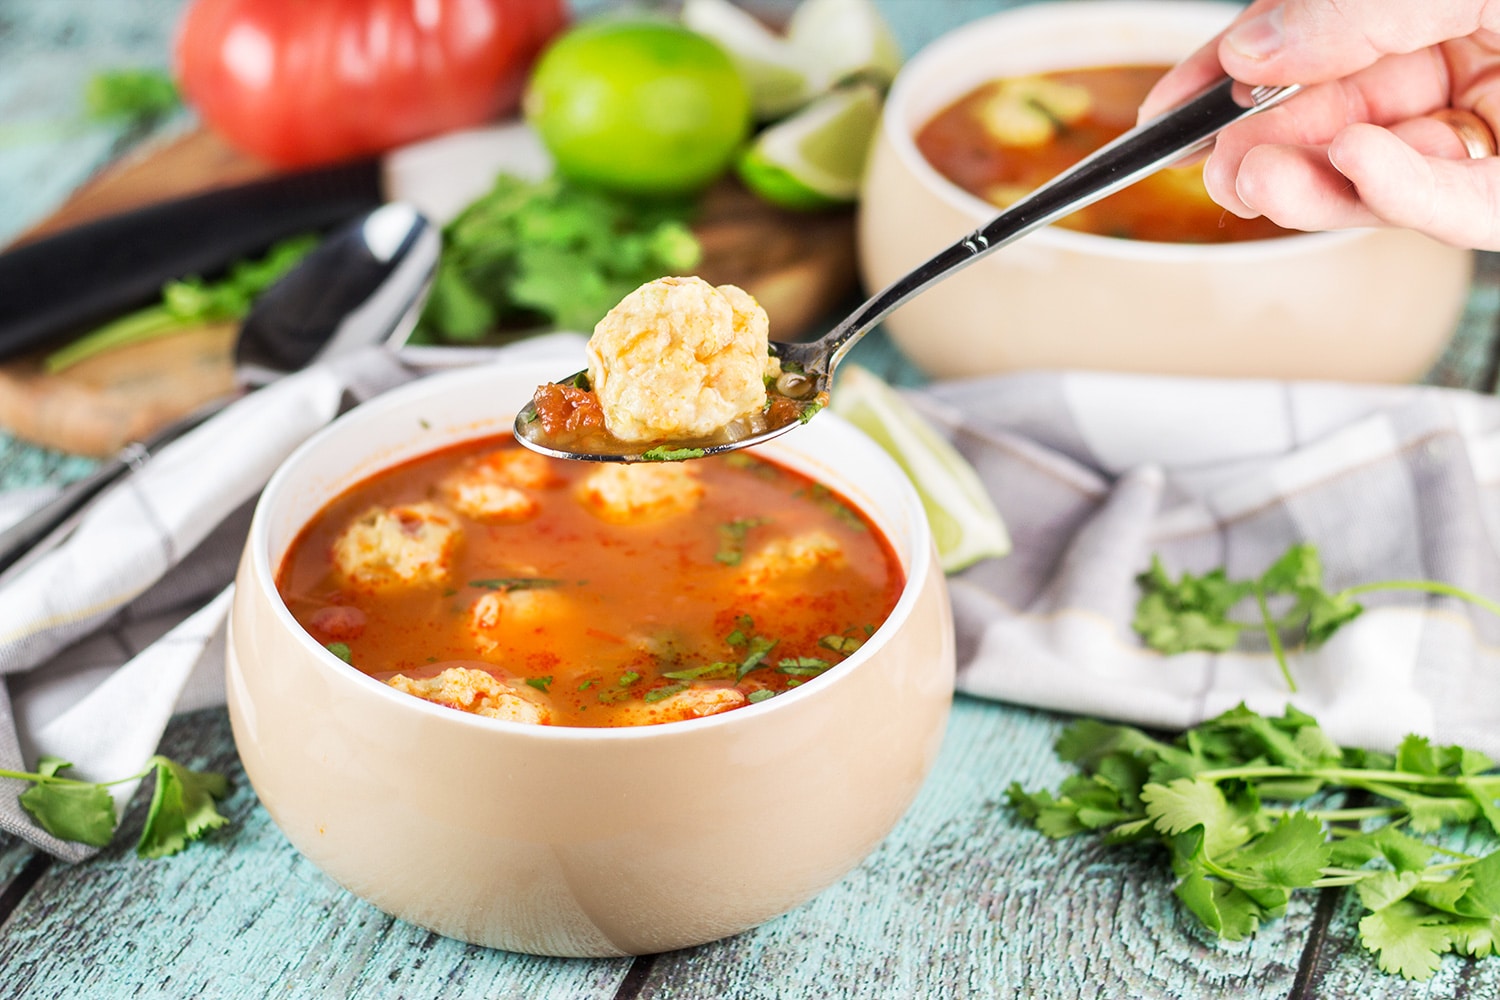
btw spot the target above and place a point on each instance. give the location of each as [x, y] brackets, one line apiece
[1309, 41]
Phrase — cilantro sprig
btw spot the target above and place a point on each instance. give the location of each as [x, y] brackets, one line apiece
[549, 250]
[182, 805]
[1214, 799]
[1192, 612]
[189, 302]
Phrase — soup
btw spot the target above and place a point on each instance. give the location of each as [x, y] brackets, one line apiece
[1005, 138]
[497, 581]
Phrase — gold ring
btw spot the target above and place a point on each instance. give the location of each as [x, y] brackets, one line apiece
[1473, 131]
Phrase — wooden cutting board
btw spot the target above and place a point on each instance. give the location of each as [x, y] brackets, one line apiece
[799, 266]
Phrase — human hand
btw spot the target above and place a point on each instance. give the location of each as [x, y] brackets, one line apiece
[1373, 139]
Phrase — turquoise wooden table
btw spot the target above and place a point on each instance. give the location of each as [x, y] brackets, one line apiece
[962, 900]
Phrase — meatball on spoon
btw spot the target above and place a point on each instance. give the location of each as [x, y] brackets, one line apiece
[566, 420]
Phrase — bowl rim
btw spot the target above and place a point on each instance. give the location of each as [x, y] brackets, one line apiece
[919, 564]
[934, 59]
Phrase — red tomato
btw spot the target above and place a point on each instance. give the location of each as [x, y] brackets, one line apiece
[298, 82]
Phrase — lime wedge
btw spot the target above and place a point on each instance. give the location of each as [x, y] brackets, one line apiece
[843, 39]
[777, 74]
[816, 157]
[965, 524]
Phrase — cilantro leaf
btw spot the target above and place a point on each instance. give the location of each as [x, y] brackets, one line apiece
[1291, 854]
[1186, 803]
[1190, 613]
[182, 808]
[1238, 862]
[1406, 938]
[74, 810]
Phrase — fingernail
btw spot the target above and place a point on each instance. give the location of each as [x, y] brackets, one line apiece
[1259, 37]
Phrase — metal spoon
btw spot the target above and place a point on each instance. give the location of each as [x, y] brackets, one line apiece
[807, 369]
[362, 286]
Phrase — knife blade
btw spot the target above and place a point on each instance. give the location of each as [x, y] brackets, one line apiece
[59, 286]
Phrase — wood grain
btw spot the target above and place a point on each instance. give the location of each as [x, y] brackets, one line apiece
[961, 901]
[243, 915]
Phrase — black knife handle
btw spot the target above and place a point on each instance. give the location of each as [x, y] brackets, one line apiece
[62, 285]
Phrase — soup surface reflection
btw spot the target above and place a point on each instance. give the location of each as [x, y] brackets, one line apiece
[1005, 138]
[496, 581]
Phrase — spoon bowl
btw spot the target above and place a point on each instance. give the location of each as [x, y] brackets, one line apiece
[807, 368]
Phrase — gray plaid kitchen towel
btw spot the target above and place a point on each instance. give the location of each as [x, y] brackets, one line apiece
[107, 635]
[1096, 473]
[1093, 473]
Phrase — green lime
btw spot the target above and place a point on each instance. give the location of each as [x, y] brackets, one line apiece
[816, 157]
[965, 524]
[638, 106]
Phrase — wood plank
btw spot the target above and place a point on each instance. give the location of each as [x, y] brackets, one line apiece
[1350, 971]
[243, 915]
[963, 900]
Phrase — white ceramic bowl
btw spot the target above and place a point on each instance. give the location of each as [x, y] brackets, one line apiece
[566, 841]
[1365, 305]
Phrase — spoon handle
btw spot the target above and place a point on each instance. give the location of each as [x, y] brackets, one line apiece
[1137, 153]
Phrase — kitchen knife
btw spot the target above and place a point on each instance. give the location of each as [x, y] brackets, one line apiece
[62, 285]
[65, 284]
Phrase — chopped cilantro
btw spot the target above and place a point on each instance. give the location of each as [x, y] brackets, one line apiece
[628, 678]
[540, 683]
[658, 694]
[586, 684]
[760, 695]
[709, 671]
[826, 499]
[732, 538]
[802, 666]
[840, 643]
[758, 647]
[662, 453]
[810, 410]
[341, 650]
[509, 583]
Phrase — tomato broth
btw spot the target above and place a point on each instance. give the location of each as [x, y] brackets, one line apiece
[1008, 136]
[582, 594]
